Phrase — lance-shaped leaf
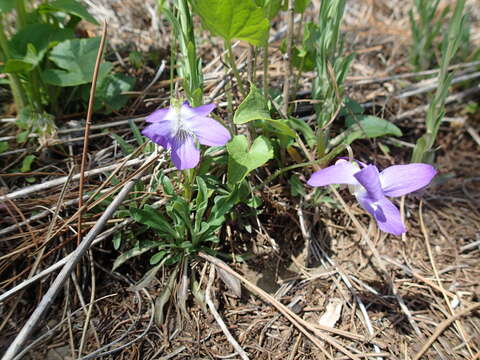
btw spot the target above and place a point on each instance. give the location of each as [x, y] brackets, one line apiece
[233, 19]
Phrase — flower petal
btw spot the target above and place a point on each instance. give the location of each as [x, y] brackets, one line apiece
[399, 180]
[188, 112]
[340, 173]
[185, 154]
[385, 213]
[369, 179]
[158, 115]
[208, 131]
[159, 133]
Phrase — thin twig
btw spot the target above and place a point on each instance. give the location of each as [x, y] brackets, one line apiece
[88, 123]
[444, 325]
[460, 328]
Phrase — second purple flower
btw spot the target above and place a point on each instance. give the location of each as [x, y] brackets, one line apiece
[180, 127]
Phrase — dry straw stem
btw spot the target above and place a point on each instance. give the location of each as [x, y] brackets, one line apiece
[52, 292]
[218, 318]
[444, 325]
[88, 123]
[298, 322]
[437, 277]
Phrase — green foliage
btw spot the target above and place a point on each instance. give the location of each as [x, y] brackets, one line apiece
[29, 46]
[244, 159]
[365, 127]
[253, 107]
[183, 228]
[76, 60]
[423, 149]
[6, 5]
[27, 163]
[233, 19]
[71, 7]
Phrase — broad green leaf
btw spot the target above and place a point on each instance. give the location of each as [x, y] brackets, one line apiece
[77, 59]
[253, 107]
[6, 5]
[27, 163]
[137, 250]
[72, 7]
[242, 159]
[233, 19]
[367, 126]
[30, 45]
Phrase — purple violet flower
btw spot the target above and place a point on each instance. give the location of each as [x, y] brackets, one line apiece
[371, 188]
[180, 127]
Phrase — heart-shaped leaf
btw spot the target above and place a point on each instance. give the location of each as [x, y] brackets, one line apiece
[233, 19]
[77, 59]
[243, 160]
[253, 107]
[30, 45]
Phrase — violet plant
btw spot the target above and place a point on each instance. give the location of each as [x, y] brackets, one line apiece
[371, 187]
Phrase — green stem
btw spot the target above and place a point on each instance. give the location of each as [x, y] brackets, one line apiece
[265, 65]
[233, 65]
[17, 89]
[21, 14]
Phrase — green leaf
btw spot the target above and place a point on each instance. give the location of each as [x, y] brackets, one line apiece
[155, 259]
[3, 146]
[301, 5]
[126, 147]
[271, 8]
[109, 92]
[243, 160]
[27, 163]
[234, 19]
[281, 127]
[77, 59]
[72, 7]
[253, 107]
[167, 185]
[367, 126]
[6, 5]
[139, 249]
[30, 45]
[153, 219]
[117, 240]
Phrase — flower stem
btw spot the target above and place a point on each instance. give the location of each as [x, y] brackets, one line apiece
[233, 65]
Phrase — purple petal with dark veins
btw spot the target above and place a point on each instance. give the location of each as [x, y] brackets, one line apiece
[399, 180]
[159, 133]
[208, 131]
[385, 213]
[185, 154]
[369, 179]
[340, 173]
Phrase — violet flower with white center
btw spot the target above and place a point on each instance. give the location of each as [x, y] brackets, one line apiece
[371, 188]
[179, 127]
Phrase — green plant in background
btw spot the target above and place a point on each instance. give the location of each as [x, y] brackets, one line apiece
[425, 27]
[423, 151]
[48, 68]
[190, 68]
